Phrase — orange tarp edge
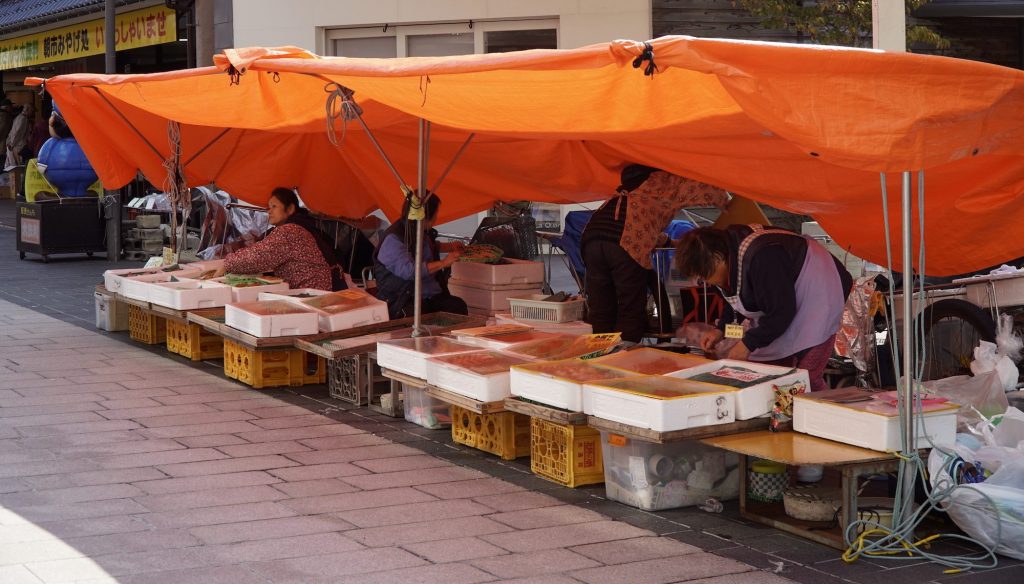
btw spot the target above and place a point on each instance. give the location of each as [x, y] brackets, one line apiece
[803, 128]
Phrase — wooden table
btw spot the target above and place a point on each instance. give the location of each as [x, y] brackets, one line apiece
[466, 403]
[361, 340]
[794, 448]
[545, 412]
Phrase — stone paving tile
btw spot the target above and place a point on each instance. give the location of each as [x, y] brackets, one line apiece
[113, 448]
[277, 548]
[139, 413]
[292, 421]
[743, 578]
[18, 575]
[36, 551]
[82, 510]
[341, 442]
[69, 495]
[157, 459]
[301, 489]
[230, 465]
[353, 454]
[215, 575]
[45, 400]
[269, 529]
[210, 440]
[428, 531]
[122, 393]
[72, 570]
[357, 500]
[454, 550]
[240, 402]
[282, 411]
[546, 517]
[243, 450]
[88, 527]
[664, 570]
[387, 465]
[413, 513]
[634, 550]
[27, 469]
[130, 403]
[535, 563]
[470, 488]
[95, 477]
[338, 565]
[50, 419]
[299, 433]
[210, 498]
[46, 410]
[99, 545]
[413, 477]
[78, 428]
[565, 536]
[438, 574]
[200, 483]
[319, 471]
[216, 515]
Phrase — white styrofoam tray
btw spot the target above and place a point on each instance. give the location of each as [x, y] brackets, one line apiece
[757, 399]
[242, 317]
[490, 387]
[698, 404]
[252, 293]
[188, 294]
[366, 309]
[491, 300]
[410, 356]
[873, 425]
[139, 287]
[540, 382]
[113, 279]
[509, 271]
[292, 294]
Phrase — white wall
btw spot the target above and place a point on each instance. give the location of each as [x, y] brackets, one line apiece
[301, 22]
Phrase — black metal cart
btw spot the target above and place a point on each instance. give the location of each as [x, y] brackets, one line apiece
[60, 226]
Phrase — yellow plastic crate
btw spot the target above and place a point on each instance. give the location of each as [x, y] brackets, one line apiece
[146, 328]
[270, 368]
[193, 341]
[568, 455]
[506, 434]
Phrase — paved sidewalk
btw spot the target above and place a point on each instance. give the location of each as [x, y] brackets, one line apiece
[117, 465]
[120, 462]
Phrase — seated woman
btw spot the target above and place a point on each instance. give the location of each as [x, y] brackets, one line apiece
[294, 250]
[394, 266]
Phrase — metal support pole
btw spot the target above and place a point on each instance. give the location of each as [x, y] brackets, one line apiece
[109, 39]
[112, 199]
[910, 448]
[420, 199]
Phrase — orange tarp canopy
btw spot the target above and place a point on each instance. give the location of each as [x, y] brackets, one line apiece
[804, 128]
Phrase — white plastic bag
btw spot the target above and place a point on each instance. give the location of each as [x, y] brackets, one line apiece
[980, 397]
[987, 358]
[1008, 342]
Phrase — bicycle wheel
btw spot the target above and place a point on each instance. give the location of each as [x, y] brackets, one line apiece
[952, 329]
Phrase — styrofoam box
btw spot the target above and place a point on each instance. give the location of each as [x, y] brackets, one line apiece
[409, 356]
[291, 295]
[994, 289]
[252, 293]
[111, 313]
[189, 294]
[499, 342]
[490, 300]
[371, 311]
[660, 403]
[648, 361]
[139, 287]
[485, 387]
[242, 317]
[575, 328]
[205, 265]
[509, 271]
[755, 400]
[872, 424]
[557, 383]
[653, 476]
[113, 279]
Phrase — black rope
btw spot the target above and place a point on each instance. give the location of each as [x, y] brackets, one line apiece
[235, 75]
[648, 56]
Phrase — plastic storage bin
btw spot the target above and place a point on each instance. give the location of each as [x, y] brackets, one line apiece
[557, 383]
[346, 309]
[146, 328]
[566, 454]
[869, 420]
[507, 271]
[754, 382]
[653, 476]
[534, 307]
[272, 318]
[506, 434]
[483, 375]
[193, 341]
[423, 410]
[111, 313]
[187, 294]
[646, 361]
[275, 368]
[660, 403]
[409, 356]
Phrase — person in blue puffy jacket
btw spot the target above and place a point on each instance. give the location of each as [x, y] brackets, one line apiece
[63, 162]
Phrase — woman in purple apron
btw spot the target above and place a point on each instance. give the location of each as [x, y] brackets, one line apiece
[785, 292]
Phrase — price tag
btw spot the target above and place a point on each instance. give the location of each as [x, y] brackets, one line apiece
[733, 331]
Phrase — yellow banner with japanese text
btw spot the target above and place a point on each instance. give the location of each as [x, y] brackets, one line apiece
[138, 28]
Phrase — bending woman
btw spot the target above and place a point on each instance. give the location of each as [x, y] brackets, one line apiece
[394, 266]
[294, 250]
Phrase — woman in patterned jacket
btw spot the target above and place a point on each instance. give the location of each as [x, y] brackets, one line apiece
[294, 250]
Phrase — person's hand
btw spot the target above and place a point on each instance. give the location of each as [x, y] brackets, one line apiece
[709, 339]
[739, 352]
[452, 257]
[219, 272]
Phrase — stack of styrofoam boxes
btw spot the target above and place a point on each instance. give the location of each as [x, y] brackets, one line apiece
[486, 288]
[146, 239]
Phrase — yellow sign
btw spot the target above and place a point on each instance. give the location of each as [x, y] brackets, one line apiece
[139, 28]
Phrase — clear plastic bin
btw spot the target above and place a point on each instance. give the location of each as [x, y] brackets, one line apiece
[648, 361]
[409, 356]
[653, 476]
[426, 411]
